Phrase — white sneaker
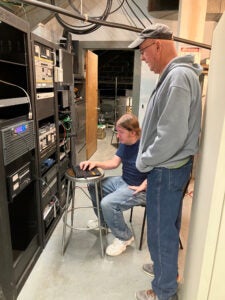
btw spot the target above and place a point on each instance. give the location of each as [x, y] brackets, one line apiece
[92, 224]
[118, 246]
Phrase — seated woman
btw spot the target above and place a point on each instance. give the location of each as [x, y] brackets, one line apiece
[120, 192]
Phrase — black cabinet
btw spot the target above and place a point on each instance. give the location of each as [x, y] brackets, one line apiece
[65, 104]
[53, 105]
[36, 127]
[43, 54]
[20, 235]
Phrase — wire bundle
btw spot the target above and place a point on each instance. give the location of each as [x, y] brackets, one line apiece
[124, 5]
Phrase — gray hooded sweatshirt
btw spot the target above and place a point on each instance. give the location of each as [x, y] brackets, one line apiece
[172, 122]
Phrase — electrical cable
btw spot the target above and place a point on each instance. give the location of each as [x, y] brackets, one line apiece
[73, 6]
[25, 92]
[129, 19]
[67, 125]
[121, 4]
[142, 11]
[78, 17]
[92, 27]
[52, 195]
[134, 14]
[77, 11]
[64, 131]
[89, 29]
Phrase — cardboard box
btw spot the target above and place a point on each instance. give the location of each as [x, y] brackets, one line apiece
[101, 132]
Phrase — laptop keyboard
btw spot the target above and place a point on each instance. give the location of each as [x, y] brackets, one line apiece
[79, 173]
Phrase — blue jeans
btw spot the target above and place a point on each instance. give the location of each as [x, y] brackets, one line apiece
[116, 198]
[164, 204]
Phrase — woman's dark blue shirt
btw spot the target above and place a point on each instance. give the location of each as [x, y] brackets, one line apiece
[128, 155]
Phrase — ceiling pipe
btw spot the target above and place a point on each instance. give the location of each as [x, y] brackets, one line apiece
[104, 23]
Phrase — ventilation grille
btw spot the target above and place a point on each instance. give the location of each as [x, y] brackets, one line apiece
[16, 145]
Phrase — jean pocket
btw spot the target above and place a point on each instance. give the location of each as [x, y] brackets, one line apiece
[178, 178]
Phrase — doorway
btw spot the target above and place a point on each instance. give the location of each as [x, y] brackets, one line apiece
[114, 48]
[115, 83]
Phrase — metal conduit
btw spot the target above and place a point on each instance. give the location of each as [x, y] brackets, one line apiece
[104, 23]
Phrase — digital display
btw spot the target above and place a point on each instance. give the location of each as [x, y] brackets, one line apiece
[20, 129]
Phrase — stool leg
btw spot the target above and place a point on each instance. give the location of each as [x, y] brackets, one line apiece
[181, 245]
[131, 214]
[99, 218]
[142, 230]
[64, 242]
[72, 204]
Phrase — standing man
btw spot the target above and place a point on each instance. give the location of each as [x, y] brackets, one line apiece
[170, 134]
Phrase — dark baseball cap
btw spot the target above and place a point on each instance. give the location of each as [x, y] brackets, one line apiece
[154, 31]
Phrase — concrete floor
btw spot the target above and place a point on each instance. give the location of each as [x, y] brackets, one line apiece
[82, 274]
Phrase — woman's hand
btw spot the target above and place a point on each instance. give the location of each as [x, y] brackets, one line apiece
[88, 165]
[140, 188]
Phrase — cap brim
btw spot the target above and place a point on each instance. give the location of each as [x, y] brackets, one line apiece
[135, 44]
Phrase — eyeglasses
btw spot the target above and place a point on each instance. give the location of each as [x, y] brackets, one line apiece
[142, 50]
